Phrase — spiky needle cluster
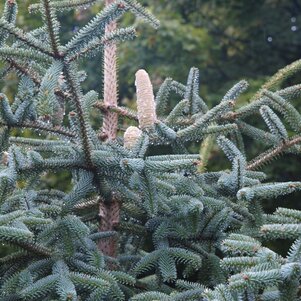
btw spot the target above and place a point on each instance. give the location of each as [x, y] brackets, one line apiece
[136, 226]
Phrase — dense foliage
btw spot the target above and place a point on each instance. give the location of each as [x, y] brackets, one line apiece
[145, 219]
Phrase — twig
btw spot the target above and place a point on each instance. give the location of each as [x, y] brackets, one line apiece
[277, 78]
[119, 110]
[42, 127]
[51, 27]
[74, 90]
[272, 153]
[20, 35]
[33, 248]
[36, 80]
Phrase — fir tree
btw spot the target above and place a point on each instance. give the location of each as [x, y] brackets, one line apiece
[136, 226]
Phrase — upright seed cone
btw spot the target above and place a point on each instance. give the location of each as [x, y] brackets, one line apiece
[145, 100]
[131, 136]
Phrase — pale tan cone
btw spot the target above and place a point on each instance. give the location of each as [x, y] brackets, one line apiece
[4, 160]
[131, 136]
[146, 105]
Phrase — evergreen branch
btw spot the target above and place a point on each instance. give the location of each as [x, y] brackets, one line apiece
[278, 78]
[289, 93]
[272, 153]
[162, 96]
[131, 228]
[139, 11]
[181, 90]
[6, 112]
[41, 127]
[58, 164]
[211, 115]
[274, 123]
[10, 15]
[290, 113]
[34, 248]
[266, 191]
[282, 231]
[171, 219]
[63, 5]
[10, 11]
[229, 148]
[40, 288]
[151, 296]
[46, 102]
[52, 25]
[194, 247]
[176, 115]
[75, 91]
[15, 256]
[192, 88]
[97, 43]
[23, 37]
[96, 27]
[25, 54]
[22, 238]
[236, 90]
[267, 138]
[88, 203]
[122, 111]
[23, 70]
[26, 71]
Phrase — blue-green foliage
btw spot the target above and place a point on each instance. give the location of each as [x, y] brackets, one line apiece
[182, 234]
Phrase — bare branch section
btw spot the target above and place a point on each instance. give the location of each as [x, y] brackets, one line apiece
[121, 111]
[272, 153]
[109, 215]
[110, 120]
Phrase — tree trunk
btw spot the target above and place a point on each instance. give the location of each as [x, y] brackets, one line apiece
[109, 213]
